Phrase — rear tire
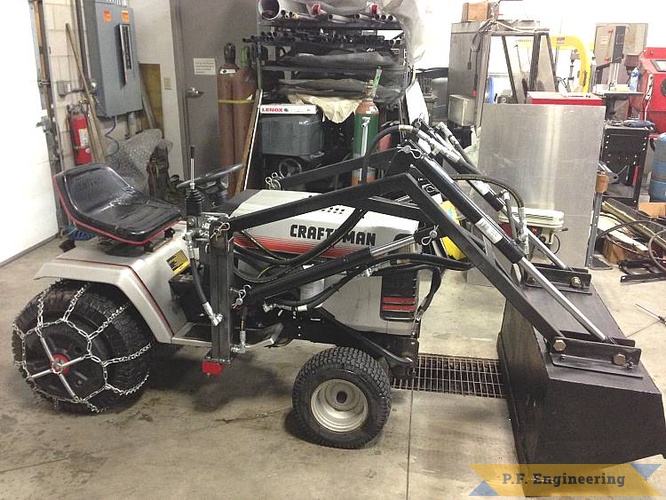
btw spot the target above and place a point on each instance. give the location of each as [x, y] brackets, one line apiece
[342, 398]
[82, 346]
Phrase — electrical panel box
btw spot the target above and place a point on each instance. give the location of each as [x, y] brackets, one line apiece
[612, 41]
[112, 58]
[609, 44]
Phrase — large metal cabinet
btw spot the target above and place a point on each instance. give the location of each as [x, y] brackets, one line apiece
[112, 58]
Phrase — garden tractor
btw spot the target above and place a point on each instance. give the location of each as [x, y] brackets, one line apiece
[355, 268]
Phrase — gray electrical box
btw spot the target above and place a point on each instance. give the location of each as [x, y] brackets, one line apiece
[612, 41]
[112, 57]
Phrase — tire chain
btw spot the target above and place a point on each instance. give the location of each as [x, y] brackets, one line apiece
[37, 330]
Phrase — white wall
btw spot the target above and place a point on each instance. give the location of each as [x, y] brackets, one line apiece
[576, 17]
[568, 17]
[155, 36]
[27, 203]
[155, 46]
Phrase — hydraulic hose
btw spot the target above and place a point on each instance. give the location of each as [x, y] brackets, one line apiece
[490, 180]
[464, 162]
[423, 259]
[373, 144]
[391, 359]
[194, 267]
[322, 296]
[321, 247]
[261, 247]
[331, 240]
[435, 283]
[254, 255]
[433, 143]
[215, 319]
[651, 253]
[456, 145]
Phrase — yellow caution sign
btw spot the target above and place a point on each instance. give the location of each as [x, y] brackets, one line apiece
[545, 480]
[178, 262]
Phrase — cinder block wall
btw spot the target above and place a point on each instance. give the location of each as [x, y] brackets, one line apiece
[57, 14]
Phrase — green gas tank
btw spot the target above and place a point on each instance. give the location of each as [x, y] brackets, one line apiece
[366, 127]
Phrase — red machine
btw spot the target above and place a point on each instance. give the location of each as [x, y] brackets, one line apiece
[575, 98]
[78, 129]
[652, 83]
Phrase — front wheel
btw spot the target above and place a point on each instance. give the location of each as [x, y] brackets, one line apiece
[82, 346]
[342, 398]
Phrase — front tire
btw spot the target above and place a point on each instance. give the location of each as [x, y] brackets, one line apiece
[342, 398]
[82, 346]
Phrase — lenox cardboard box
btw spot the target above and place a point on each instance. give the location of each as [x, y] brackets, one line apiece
[291, 129]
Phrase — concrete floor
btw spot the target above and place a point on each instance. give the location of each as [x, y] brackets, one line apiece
[233, 437]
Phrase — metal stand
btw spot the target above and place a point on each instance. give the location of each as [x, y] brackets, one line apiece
[222, 269]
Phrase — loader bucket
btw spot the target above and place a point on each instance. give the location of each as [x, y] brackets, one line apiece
[566, 410]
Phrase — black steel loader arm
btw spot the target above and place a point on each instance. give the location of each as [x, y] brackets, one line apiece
[428, 210]
[420, 206]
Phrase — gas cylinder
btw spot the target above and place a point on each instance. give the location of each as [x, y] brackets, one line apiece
[78, 130]
[657, 188]
[225, 110]
[366, 127]
[244, 85]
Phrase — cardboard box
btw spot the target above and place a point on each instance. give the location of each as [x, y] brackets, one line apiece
[653, 208]
[615, 253]
[475, 11]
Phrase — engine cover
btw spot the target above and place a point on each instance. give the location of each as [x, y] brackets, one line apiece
[382, 304]
[299, 234]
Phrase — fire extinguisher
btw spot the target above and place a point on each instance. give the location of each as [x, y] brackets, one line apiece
[78, 129]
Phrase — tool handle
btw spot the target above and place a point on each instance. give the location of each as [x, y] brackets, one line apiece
[191, 166]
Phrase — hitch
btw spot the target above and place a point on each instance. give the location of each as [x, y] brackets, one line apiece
[212, 367]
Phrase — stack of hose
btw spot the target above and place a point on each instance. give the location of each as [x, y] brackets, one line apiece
[651, 229]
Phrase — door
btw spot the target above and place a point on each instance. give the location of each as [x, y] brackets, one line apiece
[201, 29]
[27, 200]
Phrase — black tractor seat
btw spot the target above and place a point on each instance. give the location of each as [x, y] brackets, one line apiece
[100, 201]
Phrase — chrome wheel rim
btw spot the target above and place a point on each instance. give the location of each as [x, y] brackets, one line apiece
[339, 405]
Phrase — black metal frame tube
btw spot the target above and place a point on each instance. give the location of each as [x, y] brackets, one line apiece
[222, 273]
[356, 196]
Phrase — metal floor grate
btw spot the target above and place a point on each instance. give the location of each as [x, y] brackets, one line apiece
[456, 375]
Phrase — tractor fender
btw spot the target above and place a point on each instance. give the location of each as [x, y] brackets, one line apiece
[143, 278]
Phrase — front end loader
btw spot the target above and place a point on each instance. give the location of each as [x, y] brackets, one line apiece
[355, 268]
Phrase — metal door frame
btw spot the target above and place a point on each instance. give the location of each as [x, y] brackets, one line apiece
[49, 122]
[179, 64]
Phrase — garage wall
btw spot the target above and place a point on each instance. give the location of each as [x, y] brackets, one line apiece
[156, 45]
[569, 17]
[154, 41]
[27, 203]
[58, 13]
